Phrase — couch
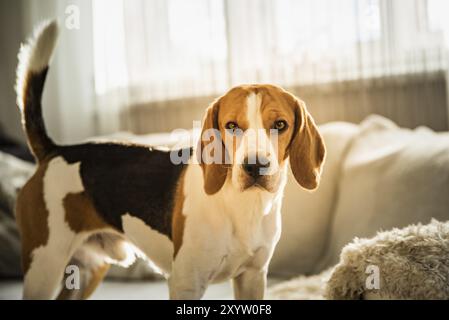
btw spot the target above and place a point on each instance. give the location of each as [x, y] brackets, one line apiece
[377, 176]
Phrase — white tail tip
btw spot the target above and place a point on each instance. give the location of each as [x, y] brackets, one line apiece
[35, 54]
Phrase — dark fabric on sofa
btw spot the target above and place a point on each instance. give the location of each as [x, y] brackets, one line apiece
[14, 172]
[8, 145]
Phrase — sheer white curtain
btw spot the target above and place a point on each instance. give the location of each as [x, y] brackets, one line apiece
[69, 95]
[159, 50]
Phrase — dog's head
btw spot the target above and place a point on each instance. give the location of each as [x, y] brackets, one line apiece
[249, 133]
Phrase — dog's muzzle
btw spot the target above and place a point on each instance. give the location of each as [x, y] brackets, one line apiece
[256, 170]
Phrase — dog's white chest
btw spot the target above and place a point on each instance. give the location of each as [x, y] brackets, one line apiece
[239, 256]
[226, 233]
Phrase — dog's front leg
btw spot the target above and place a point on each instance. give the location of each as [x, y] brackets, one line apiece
[189, 277]
[186, 286]
[250, 285]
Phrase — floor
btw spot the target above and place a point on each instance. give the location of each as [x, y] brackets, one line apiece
[131, 290]
[135, 290]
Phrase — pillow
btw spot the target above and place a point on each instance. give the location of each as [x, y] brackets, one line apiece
[305, 214]
[13, 174]
[391, 177]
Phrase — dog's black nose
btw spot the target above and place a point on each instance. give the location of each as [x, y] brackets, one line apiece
[256, 166]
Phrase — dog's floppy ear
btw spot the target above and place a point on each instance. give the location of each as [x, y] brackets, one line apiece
[307, 150]
[212, 164]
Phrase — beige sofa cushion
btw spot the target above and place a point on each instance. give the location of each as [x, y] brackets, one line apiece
[305, 214]
[391, 177]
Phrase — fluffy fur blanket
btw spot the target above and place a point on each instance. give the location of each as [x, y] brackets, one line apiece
[410, 263]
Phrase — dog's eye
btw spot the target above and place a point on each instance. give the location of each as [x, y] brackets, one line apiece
[231, 126]
[280, 125]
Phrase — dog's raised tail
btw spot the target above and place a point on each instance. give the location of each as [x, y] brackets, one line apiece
[34, 58]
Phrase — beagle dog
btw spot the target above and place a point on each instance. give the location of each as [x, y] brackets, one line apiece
[198, 221]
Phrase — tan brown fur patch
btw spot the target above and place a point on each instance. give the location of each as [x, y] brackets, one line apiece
[80, 213]
[95, 275]
[307, 149]
[214, 173]
[178, 220]
[32, 215]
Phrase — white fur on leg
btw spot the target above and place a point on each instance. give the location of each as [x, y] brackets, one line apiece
[250, 285]
[154, 245]
[48, 262]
